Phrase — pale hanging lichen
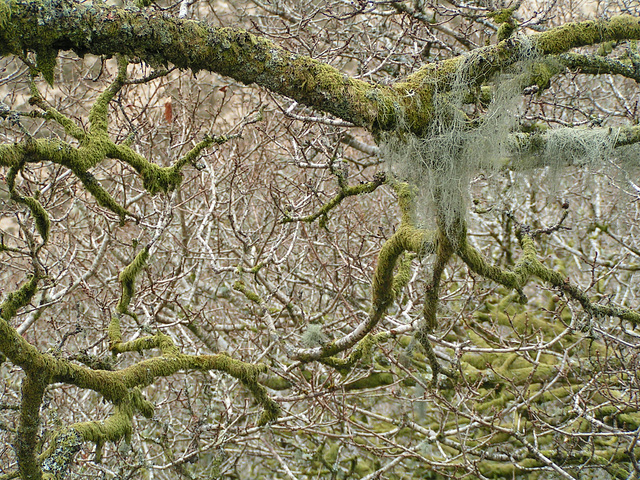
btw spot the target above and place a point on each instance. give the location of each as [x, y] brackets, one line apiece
[459, 142]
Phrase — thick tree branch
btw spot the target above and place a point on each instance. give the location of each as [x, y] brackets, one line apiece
[408, 238]
[46, 28]
[598, 65]
[536, 150]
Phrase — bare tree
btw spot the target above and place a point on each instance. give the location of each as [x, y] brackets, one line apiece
[339, 240]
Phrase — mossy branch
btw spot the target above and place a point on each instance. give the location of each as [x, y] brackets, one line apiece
[444, 252]
[114, 330]
[407, 238]
[99, 113]
[145, 372]
[70, 127]
[514, 279]
[123, 389]
[18, 299]
[250, 294]
[591, 32]
[118, 387]
[345, 191]
[127, 278]
[553, 278]
[361, 353]
[250, 59]
[40, 215]
[157, 179]
[33, 388]
[159, 340]
[78, 160]
[536, 149]
[67, 442]
[403, 273]
[192, 155]
[528, 266]
[46, 57]
[598, 65]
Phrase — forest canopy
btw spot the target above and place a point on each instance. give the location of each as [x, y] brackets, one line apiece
[341, 240]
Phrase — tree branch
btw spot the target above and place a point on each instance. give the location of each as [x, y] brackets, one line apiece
[49, 27]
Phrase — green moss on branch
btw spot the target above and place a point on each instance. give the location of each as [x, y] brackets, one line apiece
[38, 212]
[346, 191]
[18, 299]
[592, 32]
[127, 278]
[250, 294]
[27, 438]
[70, 127]
[58, 25]
[99, 113]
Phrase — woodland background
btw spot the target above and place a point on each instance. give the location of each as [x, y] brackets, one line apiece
[544, 390]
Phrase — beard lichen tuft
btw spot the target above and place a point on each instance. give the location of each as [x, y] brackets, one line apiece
[461, 141]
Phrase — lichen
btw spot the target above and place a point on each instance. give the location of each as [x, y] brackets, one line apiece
[442, 160]
[67, 444]
[313, 336]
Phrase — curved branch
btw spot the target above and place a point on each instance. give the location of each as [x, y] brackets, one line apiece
[345, 191]
[529, 266]
[407, 238]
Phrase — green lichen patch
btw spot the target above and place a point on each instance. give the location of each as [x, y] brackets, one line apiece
[66, 444]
